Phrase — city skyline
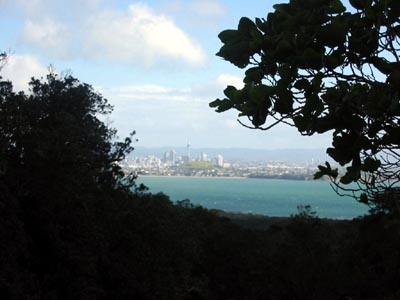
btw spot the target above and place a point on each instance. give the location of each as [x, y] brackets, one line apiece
[172, 164]
[317, 155]
[154, 61]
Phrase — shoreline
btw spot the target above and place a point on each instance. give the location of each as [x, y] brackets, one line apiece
[186, 176]
[230, 177]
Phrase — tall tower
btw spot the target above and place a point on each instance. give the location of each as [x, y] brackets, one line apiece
[188, 150]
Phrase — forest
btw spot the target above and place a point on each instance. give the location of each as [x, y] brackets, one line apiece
[74, 226]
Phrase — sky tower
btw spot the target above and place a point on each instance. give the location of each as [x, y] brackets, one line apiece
[188, 150]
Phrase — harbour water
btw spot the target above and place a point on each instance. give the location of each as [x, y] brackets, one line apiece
[270, 197]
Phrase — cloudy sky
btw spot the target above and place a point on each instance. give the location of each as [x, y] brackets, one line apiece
[153, 60]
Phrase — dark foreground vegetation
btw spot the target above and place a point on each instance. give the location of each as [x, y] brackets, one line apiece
[143, 247]
[73, 226]
[325, 68]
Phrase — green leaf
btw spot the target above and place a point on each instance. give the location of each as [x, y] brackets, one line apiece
[236, 53]
[255, 74]
[303, 124]
[284, 103]
[363, 198]
[283, 8]
[371, 165]
[325, 123]
[396, 30]
[339, 154]
[333, 61]
[271, 69]
[317, 82]
[318, 175]
[260, 94]
[333, 34]
[287, 72]
[246, 25]
[325, 170]
[248, 109]
[394, 80]
[228, 35]
[336, 7]
[259, 117]
[346, 179]
[394, 12]
[215, 103]
[360, 4]
[302, 84]
[230, 91]
[222, 105]
[284, 48]
[364, 42]
[381, 64]
[312, 59]
[352, 175]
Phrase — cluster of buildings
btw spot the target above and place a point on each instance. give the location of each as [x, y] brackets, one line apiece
[170, 158]
[172, 164]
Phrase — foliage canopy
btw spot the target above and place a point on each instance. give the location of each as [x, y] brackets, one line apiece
[71, 228]
[52, 138]
[322, 68]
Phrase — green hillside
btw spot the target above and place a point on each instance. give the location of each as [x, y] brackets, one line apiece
[199, 165]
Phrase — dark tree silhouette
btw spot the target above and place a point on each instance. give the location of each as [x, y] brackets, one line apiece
[72, 226]
[322, 68]
[56, 160]
[53, 136]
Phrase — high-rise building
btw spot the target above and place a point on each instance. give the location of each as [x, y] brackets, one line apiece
[170, 156]
[203, 156]
[219, 160]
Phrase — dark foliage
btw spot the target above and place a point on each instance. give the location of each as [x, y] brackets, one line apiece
[322, 68]
[73, 227]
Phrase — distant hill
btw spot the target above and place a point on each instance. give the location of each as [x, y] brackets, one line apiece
[284, 155]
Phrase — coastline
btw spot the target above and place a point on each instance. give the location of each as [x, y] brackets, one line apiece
[274, 198]
[186, 176]
[231, 177]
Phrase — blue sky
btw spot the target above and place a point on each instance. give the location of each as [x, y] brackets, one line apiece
[153, 60]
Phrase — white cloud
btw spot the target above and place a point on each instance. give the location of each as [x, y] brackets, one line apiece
[139, 36]
[224, 80]
[203, 92]
[172, 111]
[231, 124]
[20, 69]
[147, 88]
[167, 115]
[213, 89]
[48, 35]
[149, 92]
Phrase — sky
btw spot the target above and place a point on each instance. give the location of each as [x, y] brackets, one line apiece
[154, 61]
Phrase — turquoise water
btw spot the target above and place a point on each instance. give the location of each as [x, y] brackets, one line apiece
[270, 197]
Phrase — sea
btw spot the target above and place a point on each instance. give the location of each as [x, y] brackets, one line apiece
[271, 197]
